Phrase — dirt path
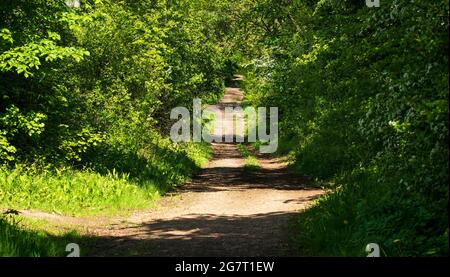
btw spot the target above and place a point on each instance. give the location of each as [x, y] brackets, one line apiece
[224, 211]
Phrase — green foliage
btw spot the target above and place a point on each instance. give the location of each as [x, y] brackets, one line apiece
[23, 59]
[343, 222]
[92, 88]
[362, 94]
[85, 99]
[71, 192]
[16, 242]
[363, 99]
[133, 182]
[101, 77]
[251, 162]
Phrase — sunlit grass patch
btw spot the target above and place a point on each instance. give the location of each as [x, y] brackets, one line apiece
[251, 162]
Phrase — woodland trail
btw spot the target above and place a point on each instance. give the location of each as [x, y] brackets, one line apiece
[224, 211]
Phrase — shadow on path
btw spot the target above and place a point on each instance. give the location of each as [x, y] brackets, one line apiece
[204, 235]
[223, 211]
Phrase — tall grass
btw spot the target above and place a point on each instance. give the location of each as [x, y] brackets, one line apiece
[17, 242]
[343, 222]
[73, 192]
[136, 184]
[89, 192]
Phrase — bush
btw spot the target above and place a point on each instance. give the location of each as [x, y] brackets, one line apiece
[363, 100]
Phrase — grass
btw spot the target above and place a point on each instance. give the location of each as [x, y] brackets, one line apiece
[343, 222]
[251, 162]
[73, 192]
[87, 192]
[119, 176]
[18, 239]
[136, 184]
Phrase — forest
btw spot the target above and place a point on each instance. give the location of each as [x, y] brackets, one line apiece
[86, 94]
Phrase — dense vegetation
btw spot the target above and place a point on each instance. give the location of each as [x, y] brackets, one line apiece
[85, 98]
[363, 99]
